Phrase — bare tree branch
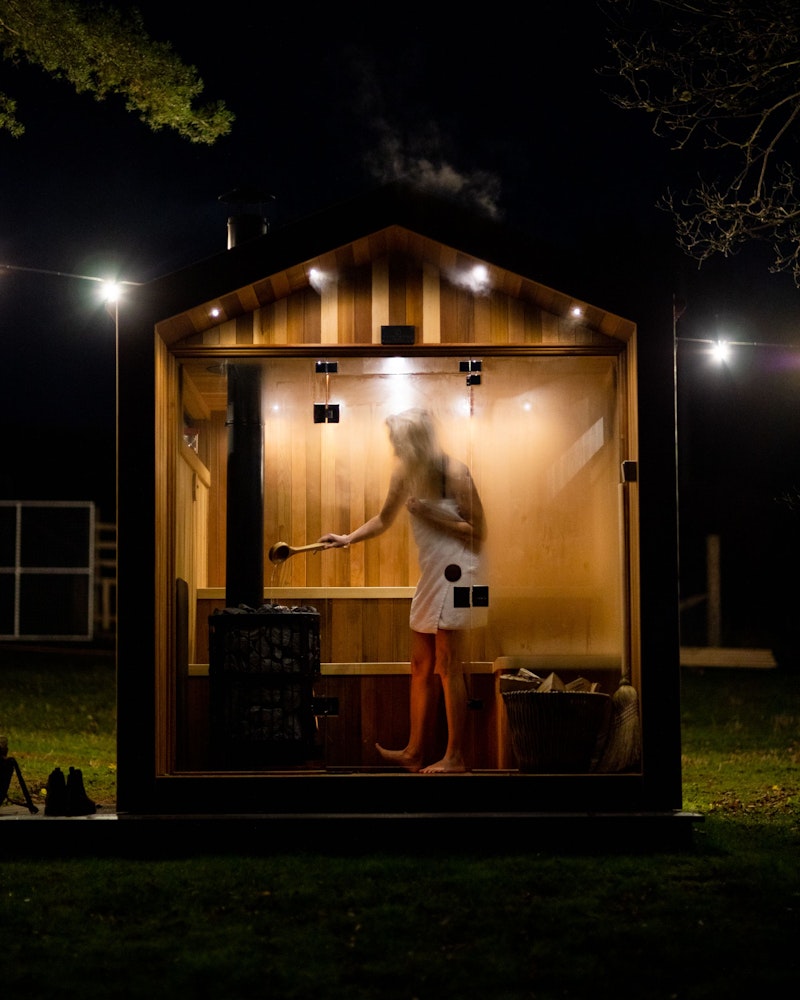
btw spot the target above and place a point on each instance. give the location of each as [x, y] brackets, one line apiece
[721, 79]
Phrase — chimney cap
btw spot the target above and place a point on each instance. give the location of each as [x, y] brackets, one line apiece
[246, 194]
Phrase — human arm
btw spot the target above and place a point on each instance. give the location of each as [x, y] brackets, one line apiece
[379, 523]
[467, 521]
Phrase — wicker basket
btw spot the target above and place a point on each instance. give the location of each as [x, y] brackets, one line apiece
[555, 732]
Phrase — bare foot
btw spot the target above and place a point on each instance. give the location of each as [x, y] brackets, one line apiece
[400, 758]
[447, 765]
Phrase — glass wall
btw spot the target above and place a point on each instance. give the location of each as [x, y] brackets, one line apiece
[542, 437]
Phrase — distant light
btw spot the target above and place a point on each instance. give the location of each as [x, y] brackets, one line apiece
[111, 291]
[576, 312]
[213, 312]
[720, 351]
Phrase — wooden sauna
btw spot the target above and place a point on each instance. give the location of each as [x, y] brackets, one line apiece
[341, 321]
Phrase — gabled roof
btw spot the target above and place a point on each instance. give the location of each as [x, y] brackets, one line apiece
[395, 218]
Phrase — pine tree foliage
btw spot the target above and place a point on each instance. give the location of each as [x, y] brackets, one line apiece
[102, 51]
[721, 78]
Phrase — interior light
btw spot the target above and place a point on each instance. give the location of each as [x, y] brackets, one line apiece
[576, 312]
[214, 312]
[318, 279]
[395, 366]
[475, 278]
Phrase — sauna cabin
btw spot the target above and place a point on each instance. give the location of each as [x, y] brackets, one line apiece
[254, 389]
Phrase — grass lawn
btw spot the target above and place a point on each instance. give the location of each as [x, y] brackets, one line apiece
[718, 919]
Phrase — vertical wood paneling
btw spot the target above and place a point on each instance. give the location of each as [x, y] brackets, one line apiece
[244, 328]
[498, 319]
[295, 320]
[431, 304]
[516, 321]
[227, 333]
[534, 324]
[362, 312]
[313, 489]
[344, 331]
[380, 297]
[414, 313]
[277, 331]
[464, 332]
[346, 631]
[448, 313]
[217, 435]
[330, 317]
[356, 512]
[482, 320]
[398, 281]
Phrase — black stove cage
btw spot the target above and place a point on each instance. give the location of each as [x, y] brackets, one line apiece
[262, 669]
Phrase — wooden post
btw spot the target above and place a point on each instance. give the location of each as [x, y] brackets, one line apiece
[714, 613]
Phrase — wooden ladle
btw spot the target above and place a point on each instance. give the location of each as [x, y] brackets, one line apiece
[281, 551]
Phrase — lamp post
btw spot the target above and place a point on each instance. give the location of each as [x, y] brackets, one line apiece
[111, 291]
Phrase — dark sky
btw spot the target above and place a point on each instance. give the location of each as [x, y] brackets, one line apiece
[332, 100]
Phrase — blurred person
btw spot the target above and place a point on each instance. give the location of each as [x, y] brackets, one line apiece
[449, 530]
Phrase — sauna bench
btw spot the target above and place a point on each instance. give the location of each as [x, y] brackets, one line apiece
[280, 595]
[361, 669]
[541, 664]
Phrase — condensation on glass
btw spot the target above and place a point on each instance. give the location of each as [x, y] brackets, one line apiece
[544, 438]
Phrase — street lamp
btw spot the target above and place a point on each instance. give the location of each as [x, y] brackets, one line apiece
[110, 292]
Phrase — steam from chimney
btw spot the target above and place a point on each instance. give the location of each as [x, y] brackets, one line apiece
[418, 155]
[391, 161]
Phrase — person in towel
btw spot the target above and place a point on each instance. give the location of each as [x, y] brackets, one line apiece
[448, 526]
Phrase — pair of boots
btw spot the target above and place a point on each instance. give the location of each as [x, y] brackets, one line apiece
[67, 797]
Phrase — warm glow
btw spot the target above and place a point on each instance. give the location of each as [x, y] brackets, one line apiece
[475, 279]
[110, 291]
[318, 280]
[720, 351]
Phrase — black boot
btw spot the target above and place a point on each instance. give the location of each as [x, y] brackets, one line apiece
[56, 801]
[78, 802]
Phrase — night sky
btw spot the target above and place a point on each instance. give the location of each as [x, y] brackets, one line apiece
[332, 101]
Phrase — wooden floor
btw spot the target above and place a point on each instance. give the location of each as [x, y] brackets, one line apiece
[727, 656]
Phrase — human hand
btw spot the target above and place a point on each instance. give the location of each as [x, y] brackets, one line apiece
[335, 541]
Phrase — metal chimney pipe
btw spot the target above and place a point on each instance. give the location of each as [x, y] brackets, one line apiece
[242, 228]
[244, 557]
[247, 221]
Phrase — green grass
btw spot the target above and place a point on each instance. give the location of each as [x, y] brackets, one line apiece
[59, 711]
[718, 919]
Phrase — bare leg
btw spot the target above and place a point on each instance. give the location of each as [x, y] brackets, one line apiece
[423, 698]
[448, 666]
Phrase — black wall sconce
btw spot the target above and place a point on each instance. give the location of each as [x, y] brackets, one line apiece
[326, 413]
[472, 368]
[470, 597]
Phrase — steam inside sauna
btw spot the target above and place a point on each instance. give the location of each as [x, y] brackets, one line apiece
[543, 439]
